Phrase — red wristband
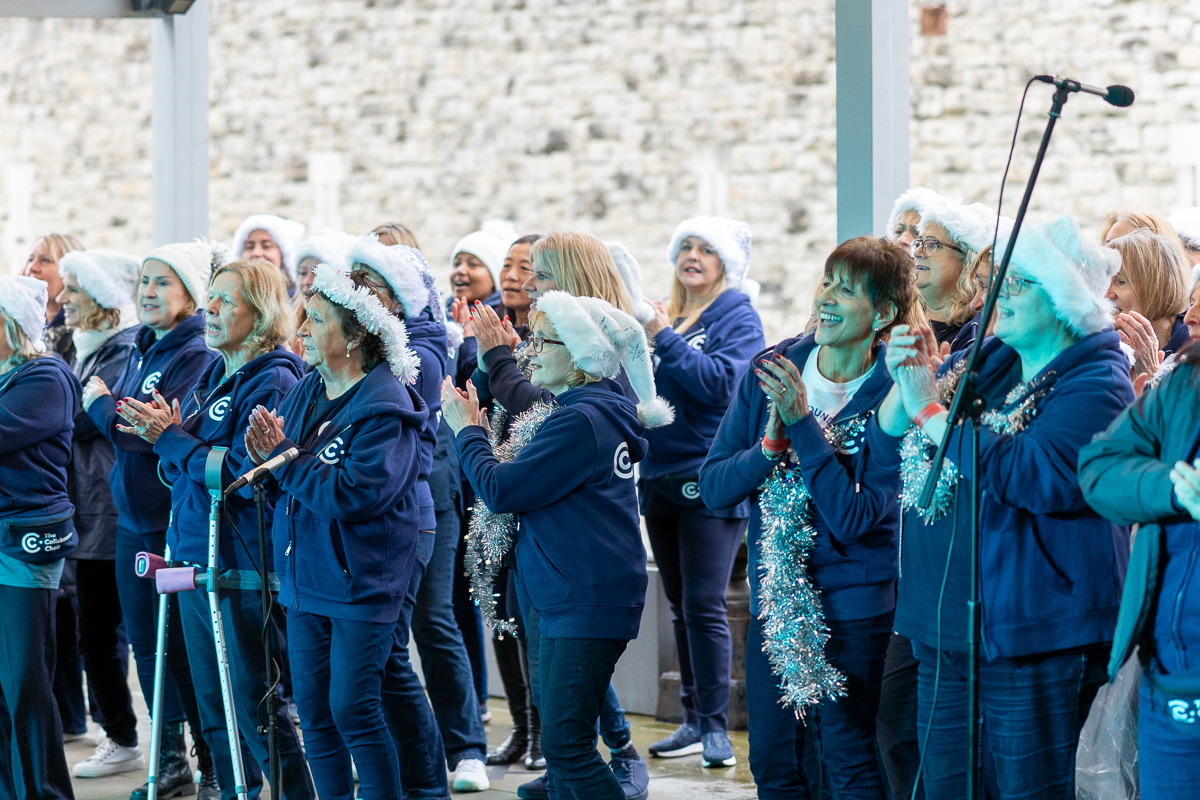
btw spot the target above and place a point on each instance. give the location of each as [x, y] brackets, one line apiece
[775, 445]
[927, 413]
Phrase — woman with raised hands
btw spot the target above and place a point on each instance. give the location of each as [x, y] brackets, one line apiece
[168, 357]
[247, 321]
[825, 518]
[1150, 293]
[588, 436]
[345, 525]
[1050, 567]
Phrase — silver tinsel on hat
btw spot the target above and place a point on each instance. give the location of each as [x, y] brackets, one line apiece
[490, 535]
[794, 629]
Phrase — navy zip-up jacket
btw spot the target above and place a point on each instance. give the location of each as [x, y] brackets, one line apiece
[346, 519]
[427, 338]
[853, 562]
[215, 414]
[172, 365]
[1050, 567]
[578, 550]
[38, 403]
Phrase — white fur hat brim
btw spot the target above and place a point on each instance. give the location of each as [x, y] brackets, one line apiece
[108, 277]
[1187, 225]
[729, 237]
[631, 275]
[401, 266]
[288, 234]
[327, 247]
[24, 300]
[1075, 273]
[971, 227]
[914, 199]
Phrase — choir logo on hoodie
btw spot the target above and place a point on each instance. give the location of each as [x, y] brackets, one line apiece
[218, 409]
[151, 381]
[332, 453]
[622, 463]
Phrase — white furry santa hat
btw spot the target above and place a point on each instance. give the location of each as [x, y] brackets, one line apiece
[489, 244]
[601, 340]
[24, 299]
[110, 278]
[914, 199]
[631, 275]
[287, 235]
[1187, 225]
[969, 227]
[407, 273]
[730, 238]
[193, 262]
[327, 246]
[1074, 272]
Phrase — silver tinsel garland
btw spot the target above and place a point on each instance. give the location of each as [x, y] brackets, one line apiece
[490, 535]
[794, 629]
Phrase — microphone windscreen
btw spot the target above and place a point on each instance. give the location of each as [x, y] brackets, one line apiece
[1119, 96]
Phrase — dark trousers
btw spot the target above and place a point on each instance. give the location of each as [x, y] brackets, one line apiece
[694, 554]
[68, 664]
[1033, 709]
[469, 620]
[337, 671]
[139, 608]
[405, 706]
[896, 721]
[105, 649]
[241, 615]
[845, 728]
[32, 762]
[449, 679]
[1168, 743]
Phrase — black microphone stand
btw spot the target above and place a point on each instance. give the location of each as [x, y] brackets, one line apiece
[271, 729]
[966, 410]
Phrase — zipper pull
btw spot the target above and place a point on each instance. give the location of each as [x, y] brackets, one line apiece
[288, 552]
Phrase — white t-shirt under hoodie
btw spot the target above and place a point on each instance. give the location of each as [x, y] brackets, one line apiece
[827, 398]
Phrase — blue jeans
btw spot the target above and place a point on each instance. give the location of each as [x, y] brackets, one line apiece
[1033, 709]
[694, 554]
[139, 609]
[448, 676]
[409, 717]
[1168, 743]
[241, 615]
[337, 670]
[845, 728]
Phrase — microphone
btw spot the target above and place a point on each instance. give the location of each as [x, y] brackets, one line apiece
[262, 470]
[1117, 95]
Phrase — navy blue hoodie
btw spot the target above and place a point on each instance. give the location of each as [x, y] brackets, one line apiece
[345, 528]
[215, 414]
[171, 365]
[853, 563]
[579, 546]
[427, 338]
[1050, 567]
[38, 403]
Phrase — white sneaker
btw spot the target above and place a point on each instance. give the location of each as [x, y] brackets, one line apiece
[470, 776]
[110, 758]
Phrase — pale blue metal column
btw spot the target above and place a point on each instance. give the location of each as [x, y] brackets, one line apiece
[872, 112]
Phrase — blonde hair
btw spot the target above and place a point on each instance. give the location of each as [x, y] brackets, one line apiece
[1141, 218]
[264, 290]
[576, 377]
[678, 298]
[22, 347]
[390, 233]
[1156, 270]
[59, 244]
[581, 265]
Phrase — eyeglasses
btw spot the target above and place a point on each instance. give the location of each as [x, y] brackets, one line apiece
[538, 343]
[929, 245]
[1013, 285]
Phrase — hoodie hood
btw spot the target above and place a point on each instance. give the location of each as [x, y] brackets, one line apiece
[606, 399]
[278, 359]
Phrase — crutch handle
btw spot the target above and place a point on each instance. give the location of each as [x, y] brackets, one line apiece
[146, 564]
[175, 579]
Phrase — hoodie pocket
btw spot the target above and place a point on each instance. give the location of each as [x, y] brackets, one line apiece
[548, 585]
[321, 569]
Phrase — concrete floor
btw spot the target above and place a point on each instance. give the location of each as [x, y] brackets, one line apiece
[674, 779]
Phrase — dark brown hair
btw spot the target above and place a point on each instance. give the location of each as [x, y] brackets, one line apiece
[886, 271]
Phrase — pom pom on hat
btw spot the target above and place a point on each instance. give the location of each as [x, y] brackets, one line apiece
[631, 275]
[287, 235]
[24, 299]
[601, 340]
[1187, 225]
[730, 238]
[110, 278]
[327, 246]
[193, 262]
[489, 244]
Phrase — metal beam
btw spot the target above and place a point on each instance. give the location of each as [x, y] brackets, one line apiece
[872, 112]
[179, 124]
[79, 9]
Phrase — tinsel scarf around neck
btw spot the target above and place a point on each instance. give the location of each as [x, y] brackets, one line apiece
[490, 535]
[794, 629]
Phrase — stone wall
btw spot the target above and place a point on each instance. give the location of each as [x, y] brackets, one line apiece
[619, 117]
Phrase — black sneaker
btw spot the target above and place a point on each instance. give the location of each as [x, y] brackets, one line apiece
[631, 772]
[536, 789]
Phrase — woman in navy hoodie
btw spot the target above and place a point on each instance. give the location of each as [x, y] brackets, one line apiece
[799, 420]
[1050, 567]
[574, 467]
[247, 321]
[169, 355]
[39, 398]
[704, 340]
[345, 527]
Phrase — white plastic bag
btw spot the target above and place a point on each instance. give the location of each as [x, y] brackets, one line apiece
[1106, 760]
